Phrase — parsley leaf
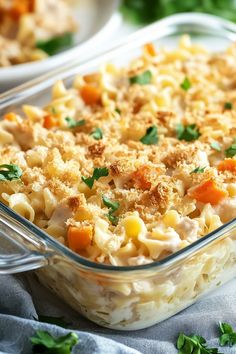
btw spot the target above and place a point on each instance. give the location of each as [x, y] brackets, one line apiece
[151, 136]
[228, 336]
[186, 84]
[97, 134]
[142, 79]
[117, 110]
[228, 105]
[55, 44]
[113, 206]
[231, 151]
[59, 321]
[193, 344]
[188, 132]
[198, 170]
[10, 172]
[97, 173]
[44, 342]
[72, 123]
[216, 146]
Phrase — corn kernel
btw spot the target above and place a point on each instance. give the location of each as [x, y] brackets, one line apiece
[171, 218]
[133, 226]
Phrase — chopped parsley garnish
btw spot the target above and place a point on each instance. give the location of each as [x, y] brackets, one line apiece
[59, 321]
[44, 342]
[186, 84]
[231, 151]
[72, 123]
[97, 134]
[142, 79]
[187, 132]
[97, 173]
[117, 110]
[216, 146]
[228, 336]
[10, 172]
[198, 169]
[56, 44]
[151, 136]
[113, 206]
[194, 344]
[53, 110]
[228, 105]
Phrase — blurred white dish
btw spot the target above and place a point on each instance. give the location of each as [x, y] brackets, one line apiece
[96, 22]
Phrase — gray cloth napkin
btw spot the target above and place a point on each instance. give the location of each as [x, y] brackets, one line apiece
[22, 297]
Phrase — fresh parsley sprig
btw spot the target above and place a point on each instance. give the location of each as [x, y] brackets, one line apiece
[113, 206]
[142, 79]
[97, 173]
[8, 172]
[97, 134]
[198, 169]
[151, 136]
[228, 336]
[187, 132]
[186, 84]
[43, 342]
[56, 44]
[194, 344]
[231, 151]
[228, 105]
[72, 123]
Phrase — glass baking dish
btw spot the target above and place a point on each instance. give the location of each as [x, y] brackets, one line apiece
[130, 297]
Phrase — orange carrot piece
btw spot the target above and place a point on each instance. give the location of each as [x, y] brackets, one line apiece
[50, 122]
[208, 192]
[90, 94]
[79, 238]
[150, 49]
[11, 117]
[141, 178]
[227, 165]
[20, 8]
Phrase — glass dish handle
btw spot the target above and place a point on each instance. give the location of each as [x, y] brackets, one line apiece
[20, 251]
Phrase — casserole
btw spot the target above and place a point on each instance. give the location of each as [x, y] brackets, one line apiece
[128, 296]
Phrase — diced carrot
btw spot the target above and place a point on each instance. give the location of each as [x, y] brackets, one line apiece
[12, 117]
[227, 165]
[208, 192]
[150, 49]
[79, 238]
[50, 122]
[141, 178]
[20, 8]
[90, 94]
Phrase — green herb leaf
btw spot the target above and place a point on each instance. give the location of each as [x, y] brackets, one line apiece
[194, 344]
[56, 44]
[151, 136]
[231, 151]
[97, 134]
[117, 110]
[142, 79]
[228, 336]
[198, 170]
[72, 123]
[216, 146]
[53, 110]
[97, 173]
[44, 342]
[188, 132]
[186, 84]
[113, 206]
[59, 321]
[228, 105]
[10, 172]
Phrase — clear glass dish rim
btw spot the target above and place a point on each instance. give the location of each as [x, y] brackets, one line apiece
[38, 85]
